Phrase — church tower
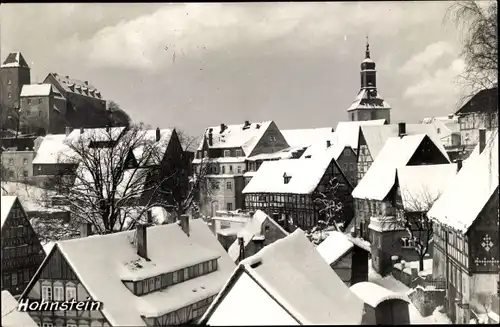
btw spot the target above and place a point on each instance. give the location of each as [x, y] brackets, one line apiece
[369, 104]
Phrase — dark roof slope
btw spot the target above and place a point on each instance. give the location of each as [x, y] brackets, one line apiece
[483, 101]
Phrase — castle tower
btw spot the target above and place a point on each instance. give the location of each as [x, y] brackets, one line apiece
[14, 73]
[369, 104]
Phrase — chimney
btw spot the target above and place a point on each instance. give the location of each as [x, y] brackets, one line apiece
[86, 82]
[328, 143]
[482, 139]
[222, 128]
[459, 165]
[241, 244]
[85, 229]
[210, 138]
[401, 129]
[247, 123]
[185, 224]
[68, 130]
[149, 217]
[157, 134]
[142, 241]
[82, 130]
[450, 116]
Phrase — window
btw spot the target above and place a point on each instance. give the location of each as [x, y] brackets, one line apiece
[145, 286]
[239, 169]
[70, 325]
[14, 279]
[10, 96]
[223, 170]
[174, 277]
[158, 282]
[439, 130]
[40, 101]
[138, 287]
[11, 162]
[353, 166]
[227, 153]
[239, 153]
[58, 293]
[25, 173]
[47, 293]
[25, 161]
[210, 265]
[9, 82]
[47, 324]
[346, 152]
[230, 169]
[186, 273]
[151, 282]
[71, 292]
[229, 206]
[229, 185]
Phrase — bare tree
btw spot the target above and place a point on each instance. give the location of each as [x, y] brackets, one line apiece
[413, 219]
[480, 43]
[188, 142]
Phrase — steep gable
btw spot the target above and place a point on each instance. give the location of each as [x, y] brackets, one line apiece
[270, 141]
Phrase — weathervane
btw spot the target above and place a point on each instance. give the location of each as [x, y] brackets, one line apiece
[367, 52]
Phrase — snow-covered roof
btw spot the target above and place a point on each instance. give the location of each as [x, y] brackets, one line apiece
[321, 148]
[375, 136]
[129, 214]
[96, 134]
[30, 90]
[293, 273]
[367, 60]
[220, 160]
[15, 59]
[373, 294]
[53, 149]
[334, 247]
[459, 209]
[235, 136]
[33, 198]
[7, 203]
[251, 230]
[11, 317]
[281, 154]
[306, 137]
[348, 131]
[446, 125]
[305, 176]
[381, 176]
[421, 185]
[101, 262]
[384, 224]
[155, 149]
[369, 99]
[73, 85]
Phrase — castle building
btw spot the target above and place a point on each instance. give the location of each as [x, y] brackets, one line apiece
[369, 104]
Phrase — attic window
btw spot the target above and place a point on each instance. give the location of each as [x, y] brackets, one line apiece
[272, 138]
[286, 178]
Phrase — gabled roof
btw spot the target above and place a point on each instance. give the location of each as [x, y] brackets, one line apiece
[235, 136]
[369, 99]
[348, 131]
[252, 229]
[15, 59]
[306, 137]
[334, 247]
[101, 262]
[320, 148]
[293, 273]
[7, 204]
[30, 90]
[375, 136]
[73, 85]
[159, 147]
[381, 175]
[421, 185]
[11, 317]
[459, 209]
[97, 134]
[54, 149]
[287, 153]
[483, 101]
[305, 176]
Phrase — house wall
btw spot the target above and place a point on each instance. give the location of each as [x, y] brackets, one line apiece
[22, 252]
[470, 125]
[364, 159]
[246, 293]
[18, 164]
[272, 141]
[57, 272]
[348, 163]
[12, 80]
[359, 265]
[343, 268]
[367, 114]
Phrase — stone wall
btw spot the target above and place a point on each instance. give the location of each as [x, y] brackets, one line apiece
[427, 299]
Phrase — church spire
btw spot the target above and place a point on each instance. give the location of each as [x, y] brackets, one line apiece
[367, 51]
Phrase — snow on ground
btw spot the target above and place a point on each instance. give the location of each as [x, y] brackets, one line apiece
[415, 264]
[394, 285]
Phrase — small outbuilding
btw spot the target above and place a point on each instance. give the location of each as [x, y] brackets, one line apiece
[382, 306]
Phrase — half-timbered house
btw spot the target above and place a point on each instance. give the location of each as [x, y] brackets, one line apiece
[286, 283]
[372, 140]
[22, 252]
[155, 276]
[289, 191]
[466, 243]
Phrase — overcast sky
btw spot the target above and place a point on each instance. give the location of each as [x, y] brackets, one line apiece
[194, 65]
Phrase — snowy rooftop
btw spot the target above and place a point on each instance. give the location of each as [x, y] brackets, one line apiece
[54, 149]
[32, 198]
[11, 317]
[77, 86]
[334, 247]
[293, 273]
[7, 203]
[306, 137]
[369, 99]
[102, 261]
[373, 294]
[236, 136]
[422, 185]
[154, 149]
[305, 176]
[459, 209]
[29, 90]
[96, 134]
[375, 136]
[220, 160]
[251, 230]
[321, 148]
[381, 175]
[282, 154]
[348, 131]
[15, 59]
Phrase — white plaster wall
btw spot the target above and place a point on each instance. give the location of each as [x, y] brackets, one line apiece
[248, 304]
[482, 284]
